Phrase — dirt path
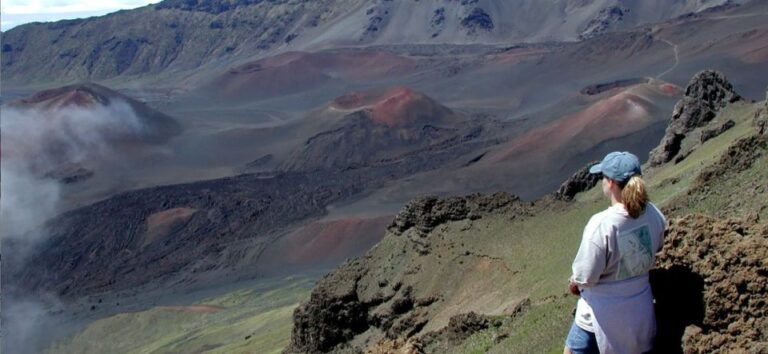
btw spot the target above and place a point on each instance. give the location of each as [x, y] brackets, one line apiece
[675, 48]
[677, 58]
[726, 17]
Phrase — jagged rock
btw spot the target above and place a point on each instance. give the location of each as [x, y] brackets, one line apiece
[408, 325]
[581, 181]
[333, 314]
[706, 93]
[426, 213]
[710, 285]
[403, 302]
[668, 148]
[711, 133]
[340, 308]
[461, 326]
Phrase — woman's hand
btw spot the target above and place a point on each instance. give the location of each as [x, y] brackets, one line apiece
[574, 288]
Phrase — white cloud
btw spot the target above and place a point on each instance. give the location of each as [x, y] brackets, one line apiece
[18, 12]
[67, 6]
[36, 143]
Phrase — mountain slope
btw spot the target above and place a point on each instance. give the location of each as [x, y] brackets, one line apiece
[174, 36]
[506, 260]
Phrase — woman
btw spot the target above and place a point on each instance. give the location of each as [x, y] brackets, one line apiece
[615, 312]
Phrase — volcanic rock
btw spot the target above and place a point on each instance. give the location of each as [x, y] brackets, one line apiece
[581, 181]
[425, 213]
[477, 19]
[461, 326]
[334, 313]
[711, 133]
[706, 93]
[710, 285]
[147, 236]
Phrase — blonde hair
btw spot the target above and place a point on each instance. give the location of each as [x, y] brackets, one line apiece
[634, 196]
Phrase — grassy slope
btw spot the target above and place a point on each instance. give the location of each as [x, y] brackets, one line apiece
[537, 251]
[255, 320]
[546, 244]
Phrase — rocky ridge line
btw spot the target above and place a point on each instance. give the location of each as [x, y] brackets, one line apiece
[706, 94]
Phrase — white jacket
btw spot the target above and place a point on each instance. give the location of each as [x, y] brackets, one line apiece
[611, 269]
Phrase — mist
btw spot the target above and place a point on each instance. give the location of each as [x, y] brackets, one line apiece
[36, 145]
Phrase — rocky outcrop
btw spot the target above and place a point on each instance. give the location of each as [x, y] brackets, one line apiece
[373, 298]
[581, 181]
[706, 94]
[342, 305]
[761, 118]
[606, 19]
[714, 132]
[425, 213]
[739, 157]
[333, 314]
[476, 20]
[710, 285]
[461, 326]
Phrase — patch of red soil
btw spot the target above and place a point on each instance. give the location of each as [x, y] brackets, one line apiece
[62, 97]
[670, 89]
[193, 308]
[327, 242]
[401, 106]
[608, 118]
[394, 107]
[161, 223]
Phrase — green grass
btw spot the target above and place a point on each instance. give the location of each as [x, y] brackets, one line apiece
[537, 252]
[253, 321]
[542, 247]
[661, 191]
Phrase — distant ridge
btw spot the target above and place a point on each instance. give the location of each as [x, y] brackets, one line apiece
[174, 36]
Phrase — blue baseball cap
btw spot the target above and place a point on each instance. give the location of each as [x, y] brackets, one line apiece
[618, 166]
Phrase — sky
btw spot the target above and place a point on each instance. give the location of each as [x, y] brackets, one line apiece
[17, 12]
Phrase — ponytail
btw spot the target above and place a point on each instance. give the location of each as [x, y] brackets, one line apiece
[634, 196]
